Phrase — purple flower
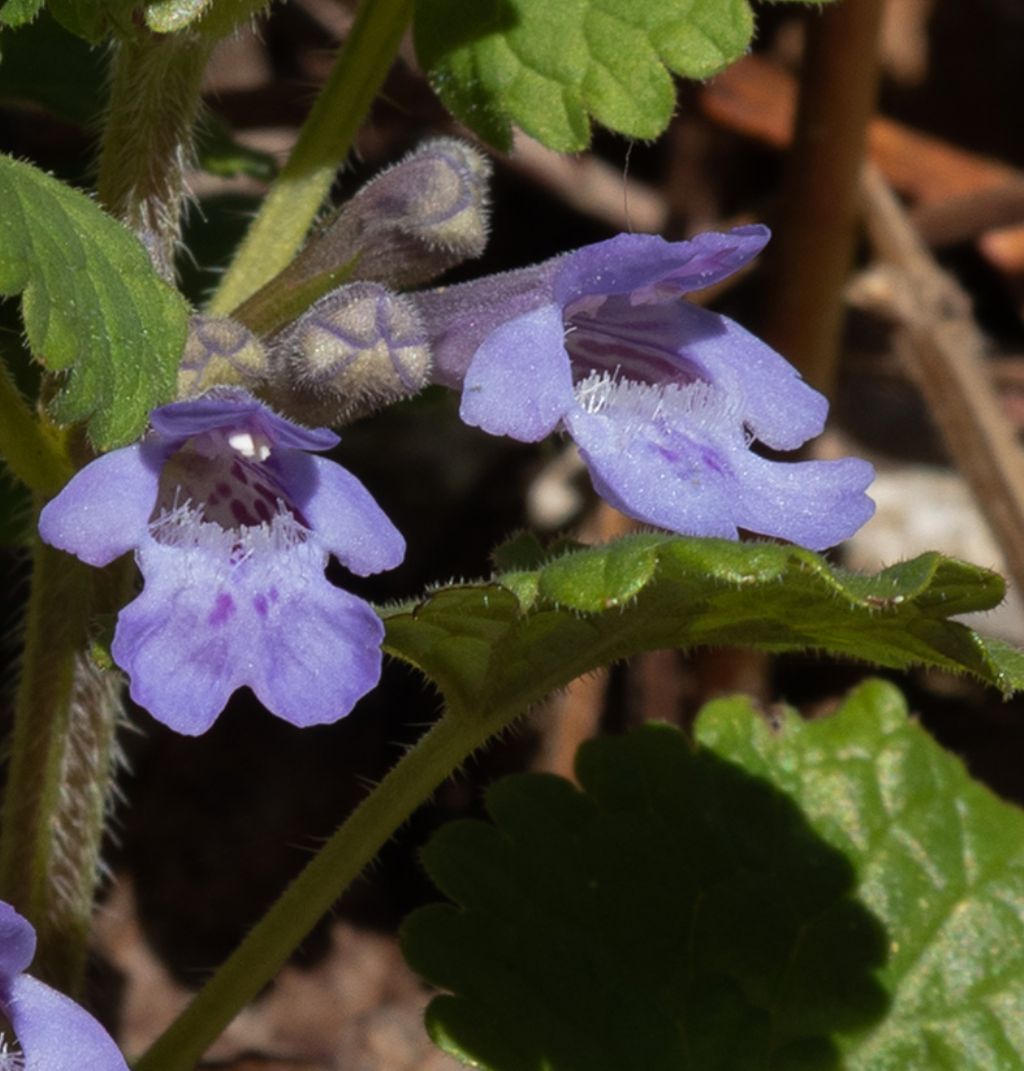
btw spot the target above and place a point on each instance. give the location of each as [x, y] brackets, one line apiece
[232, 522]
[53, 1032]
[662, 397]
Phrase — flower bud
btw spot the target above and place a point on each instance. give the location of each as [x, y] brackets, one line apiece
[411, 222]
[357, 349]
[220, 351]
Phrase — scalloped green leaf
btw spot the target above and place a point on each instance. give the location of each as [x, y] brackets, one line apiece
[793, 895]
[939, 862]
[550, 68]
[92, 304]
[499, 646]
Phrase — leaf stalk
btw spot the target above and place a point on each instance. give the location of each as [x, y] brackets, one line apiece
[322, 147]
[310, 896]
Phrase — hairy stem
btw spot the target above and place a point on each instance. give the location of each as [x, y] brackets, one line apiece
[147, 140]
[443, 749]
[814, 242]
[323, 144]
[58, 783]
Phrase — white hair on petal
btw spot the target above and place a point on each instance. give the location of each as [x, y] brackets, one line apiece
[635, 405]
[183, 526]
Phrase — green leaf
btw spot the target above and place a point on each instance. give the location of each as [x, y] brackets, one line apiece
[939, 861]
[93, 20]
[18, 12]
[166, 16]
[550, 67]
[500, 646]
[91, 304]
[787, 896]
[213, 18]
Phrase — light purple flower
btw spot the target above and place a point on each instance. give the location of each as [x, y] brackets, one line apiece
[663, 398]
[232, 522]
[53, 1032]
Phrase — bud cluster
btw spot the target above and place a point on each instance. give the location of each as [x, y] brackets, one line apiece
[361, 345]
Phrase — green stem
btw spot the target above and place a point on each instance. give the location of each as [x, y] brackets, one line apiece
[323, 144]
[58, 780]
[30, 451]
[310, 896]
[147, 138]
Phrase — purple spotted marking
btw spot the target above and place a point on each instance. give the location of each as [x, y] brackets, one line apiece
[259, 603]
[267, 493]
[241, 514]
[223, 609]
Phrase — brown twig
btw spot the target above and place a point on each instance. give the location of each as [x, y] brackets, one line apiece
[757, 98]
[940, 340]
[970, 215]
[814, 242]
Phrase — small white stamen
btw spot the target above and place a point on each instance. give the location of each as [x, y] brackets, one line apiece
[11, 1059]
[244, 443]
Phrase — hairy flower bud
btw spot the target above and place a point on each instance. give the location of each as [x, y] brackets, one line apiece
[358, 348]
[220, 352]
[411, 222]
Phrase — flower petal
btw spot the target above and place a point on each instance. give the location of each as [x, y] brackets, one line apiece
[665, 472]
[173, 642]
[235, 410]
[104, 509]
[634, 262]
[317, 654]
[675, 458]
[17, 942]
[780, 409]
[520, 381]
[816, 504]
[54, 1033]
[208, 622]
[343, 516]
